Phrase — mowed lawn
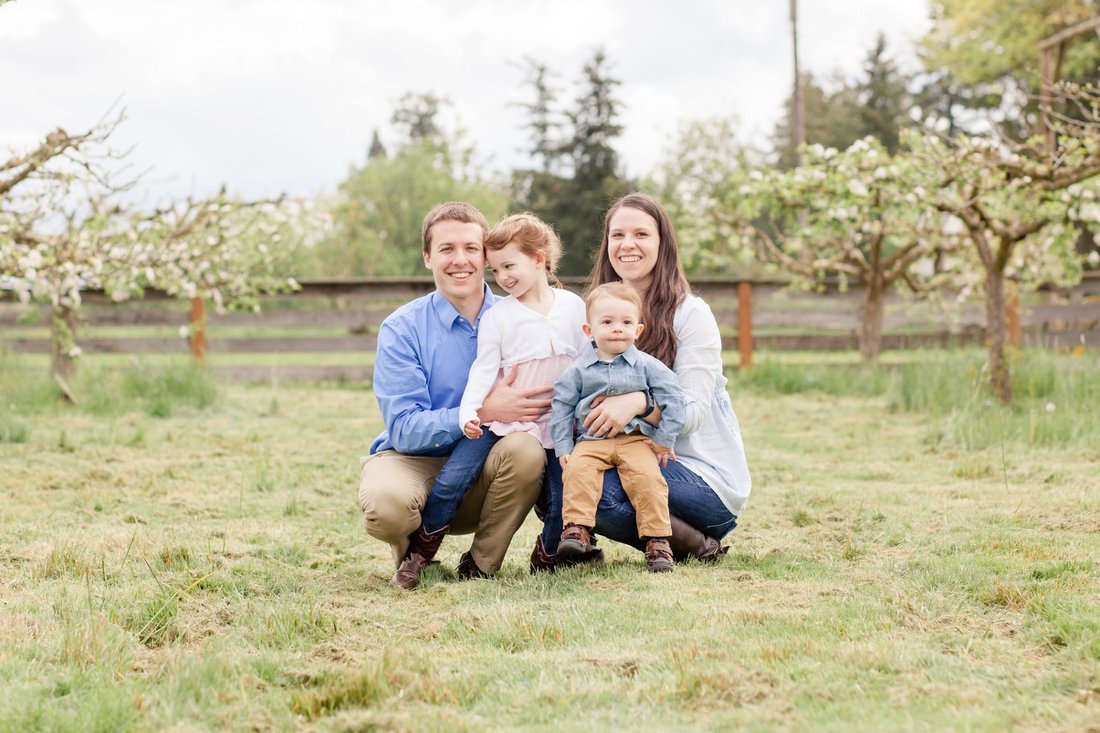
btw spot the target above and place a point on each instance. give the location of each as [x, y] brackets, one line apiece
[207, 570]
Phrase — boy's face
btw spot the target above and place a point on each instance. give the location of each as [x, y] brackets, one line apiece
[614, 324]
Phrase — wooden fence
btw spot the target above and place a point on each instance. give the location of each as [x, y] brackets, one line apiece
[338, 321]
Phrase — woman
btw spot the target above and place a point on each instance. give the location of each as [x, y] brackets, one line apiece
[709, 483]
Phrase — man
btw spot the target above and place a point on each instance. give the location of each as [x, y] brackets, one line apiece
[425, 350]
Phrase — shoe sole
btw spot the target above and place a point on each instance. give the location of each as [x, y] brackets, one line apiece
[573, 548]
[396, 582]
[659, 568]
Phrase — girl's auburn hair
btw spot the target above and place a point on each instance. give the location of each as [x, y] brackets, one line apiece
[666, 290]
[532, 235]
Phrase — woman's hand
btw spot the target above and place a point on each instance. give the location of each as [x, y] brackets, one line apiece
[609, 415]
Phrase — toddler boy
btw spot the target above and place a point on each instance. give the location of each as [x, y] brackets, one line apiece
[613, 366]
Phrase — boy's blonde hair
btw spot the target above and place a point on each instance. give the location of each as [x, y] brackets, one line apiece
[532, 235]
[618, 291]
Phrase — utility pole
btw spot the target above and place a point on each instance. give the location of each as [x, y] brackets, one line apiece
[798, 112]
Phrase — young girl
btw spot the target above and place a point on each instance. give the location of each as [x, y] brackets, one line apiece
[535, 333]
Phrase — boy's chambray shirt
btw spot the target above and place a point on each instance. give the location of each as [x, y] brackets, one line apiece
[631, 371]
[425, 350]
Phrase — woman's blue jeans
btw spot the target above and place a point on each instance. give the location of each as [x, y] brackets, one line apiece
[689, 498]
[458, 475]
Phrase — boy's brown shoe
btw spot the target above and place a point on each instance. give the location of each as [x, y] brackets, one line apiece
[543, 562]
[658, 556]
[575, 540]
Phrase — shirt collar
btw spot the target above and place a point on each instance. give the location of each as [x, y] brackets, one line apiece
[448, 314]
[630, 356]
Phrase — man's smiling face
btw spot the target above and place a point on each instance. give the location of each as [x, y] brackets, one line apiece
[457, 261]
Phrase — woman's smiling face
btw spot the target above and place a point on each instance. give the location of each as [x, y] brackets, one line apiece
[632, 245]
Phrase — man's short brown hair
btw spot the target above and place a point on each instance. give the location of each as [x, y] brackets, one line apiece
[617, 290]
[451, 211]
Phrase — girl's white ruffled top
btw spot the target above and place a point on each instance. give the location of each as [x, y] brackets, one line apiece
[539, 346]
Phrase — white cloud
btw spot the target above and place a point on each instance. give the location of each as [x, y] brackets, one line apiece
[283, 95]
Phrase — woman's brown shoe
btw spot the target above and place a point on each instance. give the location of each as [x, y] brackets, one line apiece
[468, 570]
[687, 542]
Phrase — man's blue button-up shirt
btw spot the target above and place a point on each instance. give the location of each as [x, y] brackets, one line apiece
[424, 354]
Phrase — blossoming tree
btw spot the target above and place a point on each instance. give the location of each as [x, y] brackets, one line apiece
[66, 226]
[852, 214]
[1019, 205]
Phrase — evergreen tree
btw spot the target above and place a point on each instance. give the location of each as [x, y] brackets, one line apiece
[580, 172]
[415, 118]
[876, 104]
[377, 149]
[542, 119]
[884, 98]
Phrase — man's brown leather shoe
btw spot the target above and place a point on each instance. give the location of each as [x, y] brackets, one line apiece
[468, 570]
[422, 548]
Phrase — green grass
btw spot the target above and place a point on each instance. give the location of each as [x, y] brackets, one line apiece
[37, 362]
[1052, 394]
[156, 388]
[207, 570]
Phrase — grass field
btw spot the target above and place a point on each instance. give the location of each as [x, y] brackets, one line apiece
[188, 556]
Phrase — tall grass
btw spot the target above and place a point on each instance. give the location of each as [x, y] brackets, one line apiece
[780, 377]
[1054, 404]
[1054, 401]
[26, 388]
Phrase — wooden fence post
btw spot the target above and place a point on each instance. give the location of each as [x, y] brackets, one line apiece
[198, 329]
[1012, 317]
[744, 323]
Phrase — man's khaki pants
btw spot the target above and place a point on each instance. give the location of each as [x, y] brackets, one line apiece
[640, 475]
[393, 488]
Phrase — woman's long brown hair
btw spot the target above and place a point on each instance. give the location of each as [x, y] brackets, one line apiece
[668, 287]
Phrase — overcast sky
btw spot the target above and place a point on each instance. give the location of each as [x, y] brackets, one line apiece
[282, 95]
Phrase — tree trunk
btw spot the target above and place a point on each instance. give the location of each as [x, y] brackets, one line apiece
[62, 340]
[870, 323]
[995, 334]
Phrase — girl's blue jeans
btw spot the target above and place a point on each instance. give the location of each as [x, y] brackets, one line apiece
[458, 475]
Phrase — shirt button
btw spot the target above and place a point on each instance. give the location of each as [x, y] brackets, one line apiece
[437, 445]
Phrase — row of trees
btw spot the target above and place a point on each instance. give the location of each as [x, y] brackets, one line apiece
[969, 213]
[907, 179]
[954, 200]
[68, 223]
[576, 171]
